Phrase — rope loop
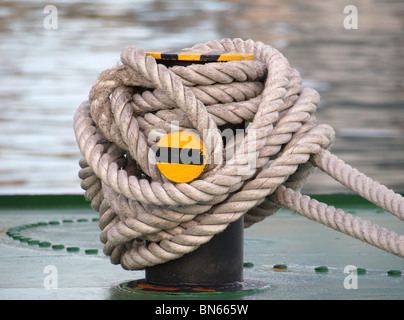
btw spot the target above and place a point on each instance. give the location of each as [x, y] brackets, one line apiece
[257, 122]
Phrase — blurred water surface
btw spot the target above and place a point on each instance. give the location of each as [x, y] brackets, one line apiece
[46, 74]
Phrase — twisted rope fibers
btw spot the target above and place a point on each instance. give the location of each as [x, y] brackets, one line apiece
[145, 218]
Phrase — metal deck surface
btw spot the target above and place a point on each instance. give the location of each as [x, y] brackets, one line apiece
[285, 238]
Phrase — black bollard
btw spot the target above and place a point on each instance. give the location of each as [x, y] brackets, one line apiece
[216, 264]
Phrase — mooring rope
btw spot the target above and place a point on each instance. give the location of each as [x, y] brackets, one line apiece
[145, 218]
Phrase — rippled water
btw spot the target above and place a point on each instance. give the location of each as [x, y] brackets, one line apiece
[46, 74]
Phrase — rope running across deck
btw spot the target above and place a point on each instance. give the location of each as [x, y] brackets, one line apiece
[148, 220]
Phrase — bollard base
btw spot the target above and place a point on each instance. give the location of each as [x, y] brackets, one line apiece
[245, 287]
[216, 267]
[215, 263]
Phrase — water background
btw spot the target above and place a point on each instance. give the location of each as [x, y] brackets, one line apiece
[46, 74]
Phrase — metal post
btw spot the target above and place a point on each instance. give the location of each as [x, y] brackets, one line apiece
[216, 264]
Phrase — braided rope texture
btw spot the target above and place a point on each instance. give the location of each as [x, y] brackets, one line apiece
[148, 220]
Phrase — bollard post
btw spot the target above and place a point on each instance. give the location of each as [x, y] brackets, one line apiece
[216, 266]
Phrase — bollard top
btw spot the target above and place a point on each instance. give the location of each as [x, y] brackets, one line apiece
[190, 55]
[181, 156]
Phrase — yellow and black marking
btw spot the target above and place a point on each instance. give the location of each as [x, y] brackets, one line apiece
[199, 55]
[181, 156]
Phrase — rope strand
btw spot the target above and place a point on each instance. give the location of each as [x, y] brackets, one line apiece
[340, 221]
[366, 187]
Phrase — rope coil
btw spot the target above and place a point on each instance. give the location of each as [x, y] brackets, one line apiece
[146, 219]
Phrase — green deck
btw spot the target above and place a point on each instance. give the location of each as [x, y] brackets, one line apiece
[285, 238]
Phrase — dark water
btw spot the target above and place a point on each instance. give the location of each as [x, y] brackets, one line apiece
[45, 74]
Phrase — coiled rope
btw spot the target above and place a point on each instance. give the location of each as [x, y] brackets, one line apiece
[146, 219]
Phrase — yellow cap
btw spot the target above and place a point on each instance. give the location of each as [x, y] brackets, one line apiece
[181, 156]
[199, 55]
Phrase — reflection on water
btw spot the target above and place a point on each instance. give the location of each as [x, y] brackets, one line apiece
[46, 74]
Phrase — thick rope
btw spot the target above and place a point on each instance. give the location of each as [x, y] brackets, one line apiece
[338, 220]
[146, 219]
[357, 181]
